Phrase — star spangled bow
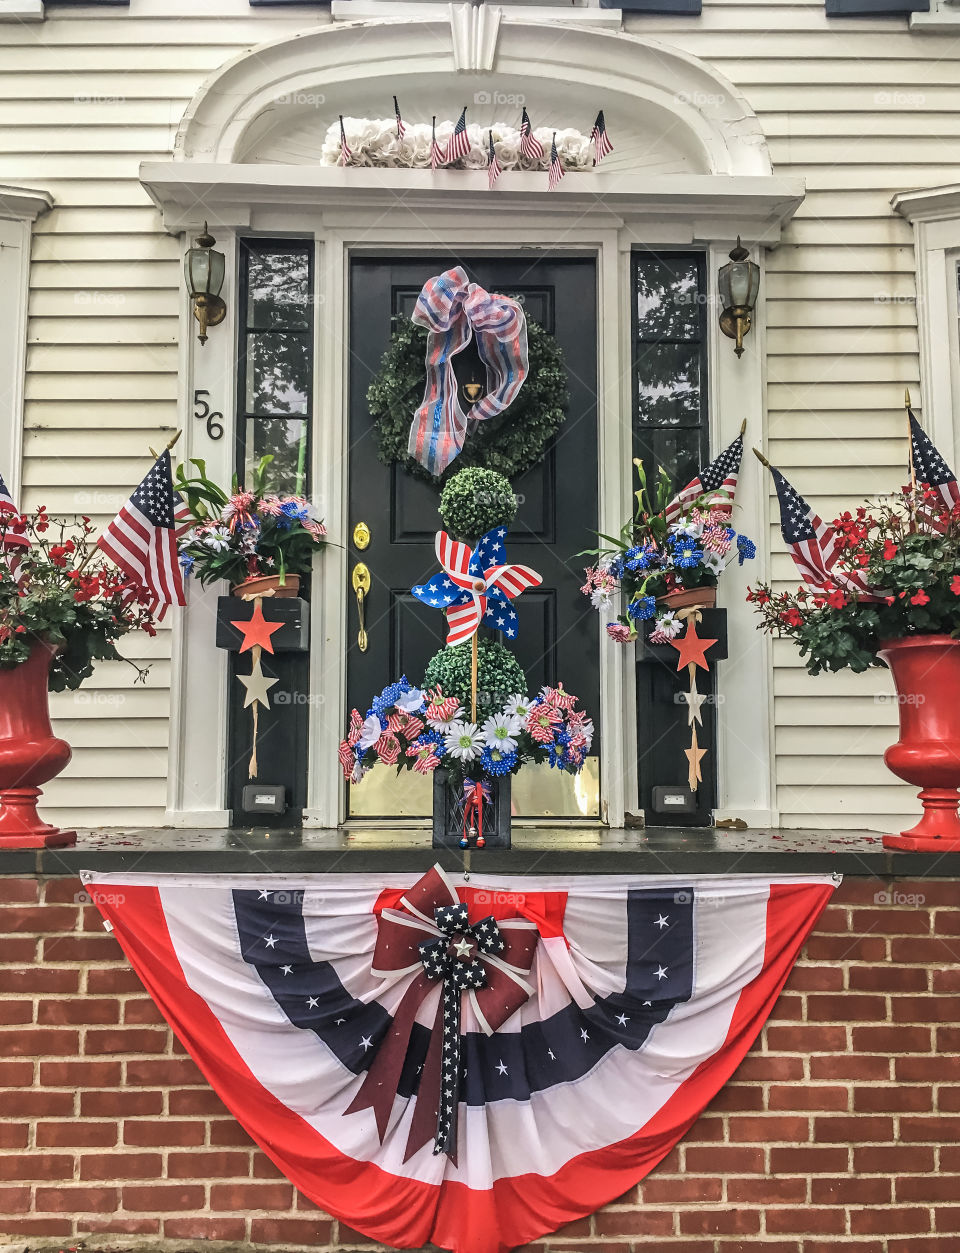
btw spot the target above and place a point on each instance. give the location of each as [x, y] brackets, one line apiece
[476, 585]
[428, 940]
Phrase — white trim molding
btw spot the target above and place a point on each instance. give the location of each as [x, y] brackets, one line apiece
[19, 209]
[934, 213]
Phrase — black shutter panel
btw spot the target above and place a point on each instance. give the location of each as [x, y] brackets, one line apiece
[685, 8]
[876, 8]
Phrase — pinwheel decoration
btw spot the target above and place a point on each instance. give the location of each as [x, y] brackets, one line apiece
[476, 585]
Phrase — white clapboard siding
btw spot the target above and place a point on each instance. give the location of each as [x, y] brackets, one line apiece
[859, 109]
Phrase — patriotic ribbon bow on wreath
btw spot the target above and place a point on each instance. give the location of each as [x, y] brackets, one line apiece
[454, 310]
[476, 586]
[431, 938]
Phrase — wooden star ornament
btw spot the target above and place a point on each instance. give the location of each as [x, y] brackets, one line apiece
[257, 684]
[692, 647]
[694, 754]
[256, 629]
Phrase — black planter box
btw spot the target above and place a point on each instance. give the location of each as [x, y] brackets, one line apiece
[448, 813]
[712, 626]
[293, 612]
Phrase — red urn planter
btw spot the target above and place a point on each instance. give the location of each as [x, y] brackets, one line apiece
[926, 673]
[30, 754]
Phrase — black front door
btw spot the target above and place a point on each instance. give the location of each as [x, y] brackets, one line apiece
[558, 631]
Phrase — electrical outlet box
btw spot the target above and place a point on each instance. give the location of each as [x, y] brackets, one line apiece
[264, 798]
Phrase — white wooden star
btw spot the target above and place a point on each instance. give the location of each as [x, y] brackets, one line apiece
[257, 685]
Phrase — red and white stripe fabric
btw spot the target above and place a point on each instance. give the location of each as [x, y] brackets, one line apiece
[646, 993]
[455, 557]
[13, 543]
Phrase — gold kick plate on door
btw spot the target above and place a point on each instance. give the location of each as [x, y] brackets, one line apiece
[360, 580]
[361, 536]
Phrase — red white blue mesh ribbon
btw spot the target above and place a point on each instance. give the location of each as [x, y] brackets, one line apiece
[454, 310]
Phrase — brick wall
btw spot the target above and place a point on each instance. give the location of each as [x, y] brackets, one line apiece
[840, 1131]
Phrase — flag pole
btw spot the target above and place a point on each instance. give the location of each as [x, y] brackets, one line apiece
[913, 468]
[743, 426]
[154, 454]
[761, 458]
[474, 660]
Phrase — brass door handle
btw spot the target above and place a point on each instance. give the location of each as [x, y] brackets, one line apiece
[361, 586]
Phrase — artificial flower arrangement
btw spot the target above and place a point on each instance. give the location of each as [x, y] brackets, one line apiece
[250, 534]
[413, 728]
[665, 555]
[57, 589]
[470, 724]
[897, 575]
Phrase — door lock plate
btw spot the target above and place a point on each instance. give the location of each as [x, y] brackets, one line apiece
[361, 536]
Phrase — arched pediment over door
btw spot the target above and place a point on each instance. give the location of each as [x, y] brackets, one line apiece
[685, 138]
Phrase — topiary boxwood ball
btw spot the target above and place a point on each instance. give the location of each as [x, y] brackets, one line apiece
[499, 675]
[476, 500]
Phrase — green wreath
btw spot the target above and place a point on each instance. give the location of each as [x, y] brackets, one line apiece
[509, 444]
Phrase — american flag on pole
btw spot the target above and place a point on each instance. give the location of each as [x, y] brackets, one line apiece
[345, 153]
[436, 152]
[811, 543]
[929, 466]
[720, 475]
[401, 129]
[530, 146]
[459, 144]
[594, 1017]
[556, 165]
[13, 543]
[142, 538]
[493, 165]
[600, 139]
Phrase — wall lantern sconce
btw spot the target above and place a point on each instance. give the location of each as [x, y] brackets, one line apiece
[204, 268]
[739, 282]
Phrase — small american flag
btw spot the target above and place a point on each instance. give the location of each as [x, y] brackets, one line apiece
[600, 139]
[930, 468]
[345, 153]
[719, 476]
[142, 537]
[556, 165]
[13, 544]
[459, 144]
[401, 129]
[530, 146]
[493, 165]
[436, 152]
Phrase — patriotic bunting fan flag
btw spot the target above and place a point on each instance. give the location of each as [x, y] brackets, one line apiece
[591, 1019]
[476, 586]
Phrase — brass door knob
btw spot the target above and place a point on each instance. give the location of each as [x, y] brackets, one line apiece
[360, 579]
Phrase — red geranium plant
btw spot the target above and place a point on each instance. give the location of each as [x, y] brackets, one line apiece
[61, 590]
[906, 550]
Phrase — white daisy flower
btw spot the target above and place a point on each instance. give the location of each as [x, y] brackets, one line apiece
[464, 741]
[370, 732]
[713, 561]
[444, 725]
[500, 731]
[604, 597]
[518, 706]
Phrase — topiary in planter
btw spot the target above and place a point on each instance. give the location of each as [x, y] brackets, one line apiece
[476, 500]
[499, 675]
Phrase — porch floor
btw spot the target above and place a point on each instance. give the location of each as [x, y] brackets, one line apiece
[536, 850]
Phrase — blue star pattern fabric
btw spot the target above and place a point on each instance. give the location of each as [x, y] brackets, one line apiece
[490, 573]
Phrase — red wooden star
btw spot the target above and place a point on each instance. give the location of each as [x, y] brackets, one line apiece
[692, 647]
[256, 629]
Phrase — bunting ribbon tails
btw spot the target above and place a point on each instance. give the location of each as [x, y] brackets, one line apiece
[454, 310]
[429, 941]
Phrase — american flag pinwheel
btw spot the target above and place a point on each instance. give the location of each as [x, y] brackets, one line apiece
[476, 585]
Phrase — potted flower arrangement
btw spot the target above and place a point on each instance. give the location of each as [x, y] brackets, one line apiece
[255, 539]
[471, 725]
[892, 598]
[63, 606]
[664, 560]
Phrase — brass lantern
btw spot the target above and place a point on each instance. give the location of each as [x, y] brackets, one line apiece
[204, 268]
[739, 282]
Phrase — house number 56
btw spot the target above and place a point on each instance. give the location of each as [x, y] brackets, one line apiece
[204, 413]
